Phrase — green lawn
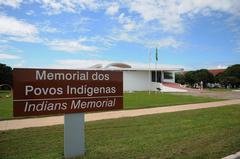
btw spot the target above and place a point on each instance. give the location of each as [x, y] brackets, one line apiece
[207, 133]
[144, 100]
[131, 101]
[5, 105]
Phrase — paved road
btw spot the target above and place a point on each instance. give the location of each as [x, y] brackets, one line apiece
[233, 156]
[55, 120]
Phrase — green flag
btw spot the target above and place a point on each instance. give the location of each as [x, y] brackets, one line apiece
[156, 54]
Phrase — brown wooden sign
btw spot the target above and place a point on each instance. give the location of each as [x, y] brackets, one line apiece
[52, 91]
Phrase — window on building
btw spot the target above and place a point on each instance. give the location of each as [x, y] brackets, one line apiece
[168, 75]
[158, 78]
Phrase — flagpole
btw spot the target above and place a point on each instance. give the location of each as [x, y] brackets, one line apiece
[156, 59]
[149, 85]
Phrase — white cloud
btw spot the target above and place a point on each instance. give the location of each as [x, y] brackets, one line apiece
[11, 3]
[28, 39]
[4, 47]
[165, 42]
[127, 23]
[17, 30]
[112, 9]
[3, 40]
[140, 38]
[12, 26]
[162, 18]
[164, 12]
[8, 56]
[70, 46]
[167, 16]
[59, 6]
[48, 29]
[134, 31]
[135, 22]
[8, 48]
[125, 36]
[30, 12]
[170, 14]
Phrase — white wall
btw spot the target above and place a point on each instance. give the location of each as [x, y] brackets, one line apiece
[139, 81]
[136, 81]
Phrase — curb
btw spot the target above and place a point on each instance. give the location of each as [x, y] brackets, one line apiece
[233, 156]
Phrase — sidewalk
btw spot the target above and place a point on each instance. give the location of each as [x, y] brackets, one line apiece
[55, 120]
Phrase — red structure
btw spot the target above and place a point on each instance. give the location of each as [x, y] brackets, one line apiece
[216, 71]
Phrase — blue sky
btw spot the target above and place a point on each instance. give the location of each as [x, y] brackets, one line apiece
[191, 34]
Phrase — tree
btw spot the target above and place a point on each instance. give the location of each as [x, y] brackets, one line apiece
[203, 75]
[5, 75]
[189, 78]
[230, 77]
[233, 70]
[197, 76]
[180, 78]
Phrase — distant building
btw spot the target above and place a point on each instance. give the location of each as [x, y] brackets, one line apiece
[145, 79]
[212, 71]
[216, 71]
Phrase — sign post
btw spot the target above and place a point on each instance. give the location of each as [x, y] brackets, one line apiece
[74, 144]
[72, 92]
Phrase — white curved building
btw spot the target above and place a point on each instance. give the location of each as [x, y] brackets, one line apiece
[145, 79]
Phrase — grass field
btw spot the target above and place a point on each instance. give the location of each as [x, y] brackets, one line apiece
[207, 133]
[131, 101]
[5, 105]
[144, 100]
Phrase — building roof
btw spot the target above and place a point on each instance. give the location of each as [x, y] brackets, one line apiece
[216, 71]
[118, 65]
[212, 71]
[127, 67]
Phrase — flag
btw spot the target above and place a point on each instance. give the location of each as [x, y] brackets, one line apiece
[156, 54]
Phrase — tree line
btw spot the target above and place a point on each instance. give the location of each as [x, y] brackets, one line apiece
[230, 78]
[5, 76]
